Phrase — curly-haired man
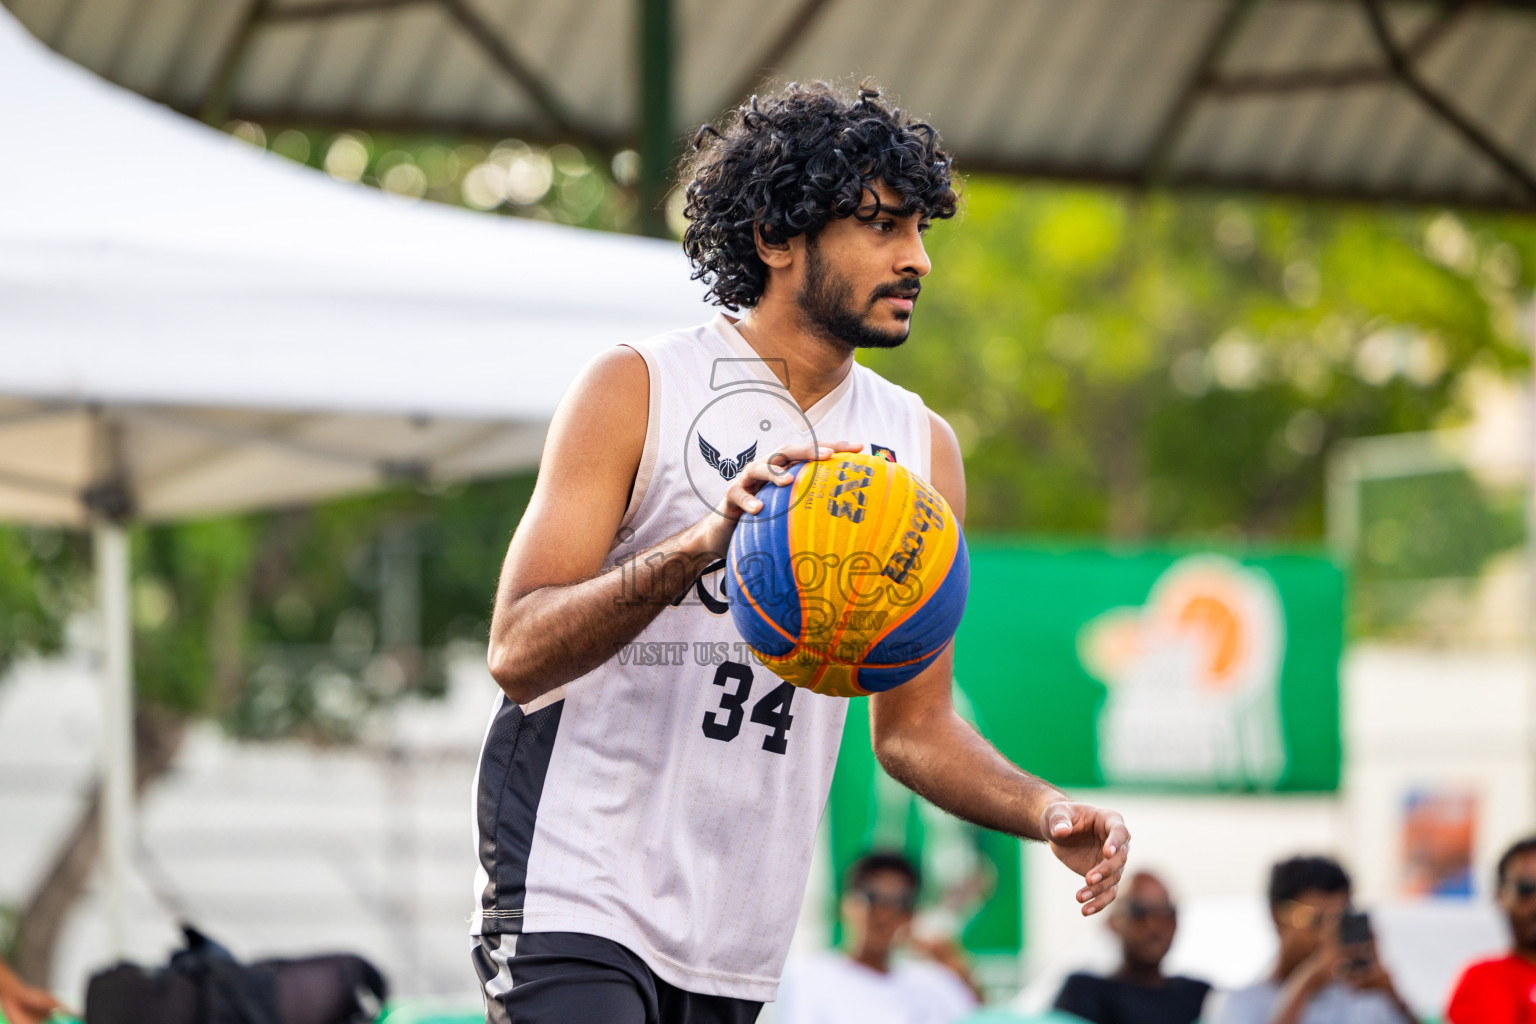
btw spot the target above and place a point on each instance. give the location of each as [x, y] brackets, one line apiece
[647, 797]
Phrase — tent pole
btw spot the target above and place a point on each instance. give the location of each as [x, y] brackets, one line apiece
[110, 544]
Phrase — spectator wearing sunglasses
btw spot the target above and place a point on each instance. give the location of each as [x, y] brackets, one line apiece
[1317, 979]
[1144, 919]
[1503, 991]
[868, 982]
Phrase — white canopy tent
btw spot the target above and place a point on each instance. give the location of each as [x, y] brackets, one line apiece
[189, 327]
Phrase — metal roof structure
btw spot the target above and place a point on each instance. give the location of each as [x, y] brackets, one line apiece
[1411, 100]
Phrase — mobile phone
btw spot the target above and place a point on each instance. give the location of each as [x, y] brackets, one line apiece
[1355, 935]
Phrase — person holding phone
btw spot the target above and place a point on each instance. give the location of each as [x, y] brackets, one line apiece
[1503, 990]
[1327, 971]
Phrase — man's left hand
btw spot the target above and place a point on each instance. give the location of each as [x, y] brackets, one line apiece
[1091, 841]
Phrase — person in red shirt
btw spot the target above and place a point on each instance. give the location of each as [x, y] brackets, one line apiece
[1503, 991]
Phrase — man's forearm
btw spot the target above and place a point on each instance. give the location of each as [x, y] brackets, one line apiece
[551, 635]
[949, 764]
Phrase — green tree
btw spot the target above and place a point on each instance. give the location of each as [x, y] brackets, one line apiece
[1144, 366]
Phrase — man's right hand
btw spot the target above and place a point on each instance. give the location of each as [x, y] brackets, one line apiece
[714, 531]
[1325, 965]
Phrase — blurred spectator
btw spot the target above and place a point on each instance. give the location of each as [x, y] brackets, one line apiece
[1144, 919]
[865, 984]
[20, 1002]
[1317, 980]
[1503, 991]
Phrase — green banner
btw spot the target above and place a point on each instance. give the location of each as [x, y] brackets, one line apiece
[1162, 671]
[1157, 670]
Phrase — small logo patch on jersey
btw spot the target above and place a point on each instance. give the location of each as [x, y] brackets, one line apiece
[882, 452]
[728, 468]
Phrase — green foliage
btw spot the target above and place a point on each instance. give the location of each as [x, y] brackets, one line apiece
[189, 606]
[1151, 366]
[1435, 526]
[271, 622]
[42, 581]
[560, 183]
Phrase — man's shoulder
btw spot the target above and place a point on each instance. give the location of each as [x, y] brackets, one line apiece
[927, 972]
[1260, 993]
[1251, 1004]
[692, 338]
[1493, 965]
[873, 379]
[1496, 970]
[933, 984]
[1364, 1005]
[1181, 983]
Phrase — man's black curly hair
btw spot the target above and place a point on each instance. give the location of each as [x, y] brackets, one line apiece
[792, 162]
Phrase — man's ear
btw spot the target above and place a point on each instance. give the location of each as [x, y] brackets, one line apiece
[776, 255]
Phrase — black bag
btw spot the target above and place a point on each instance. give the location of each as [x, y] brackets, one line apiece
[336, 989]
[205, 984]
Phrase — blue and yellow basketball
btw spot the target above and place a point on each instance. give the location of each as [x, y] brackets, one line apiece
[851, 579]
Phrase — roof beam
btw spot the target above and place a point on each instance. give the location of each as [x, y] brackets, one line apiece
[500, 54]
[1345, 76]
[1166, 139]
[335, 8]
[1403, 70]
[276, 117]
[180, 58]
[215, 106]
[767, 63]
[460, 12]
[112, 71]
[1237, 184]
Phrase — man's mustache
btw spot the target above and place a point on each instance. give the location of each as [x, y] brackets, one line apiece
[897, 290]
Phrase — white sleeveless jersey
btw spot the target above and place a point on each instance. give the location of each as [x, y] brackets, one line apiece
[668, 800]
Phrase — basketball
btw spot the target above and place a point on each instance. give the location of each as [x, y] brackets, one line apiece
[852, 577]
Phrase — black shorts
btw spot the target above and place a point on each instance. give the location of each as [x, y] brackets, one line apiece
[569, 978]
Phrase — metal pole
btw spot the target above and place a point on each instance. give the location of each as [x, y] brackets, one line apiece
[656, 114]
[1530, 552]
[110, 542]
[1343, 504]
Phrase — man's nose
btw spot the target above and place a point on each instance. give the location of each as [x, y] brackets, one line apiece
[914, 258]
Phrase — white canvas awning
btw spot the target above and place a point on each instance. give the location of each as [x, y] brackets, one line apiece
[189, 326]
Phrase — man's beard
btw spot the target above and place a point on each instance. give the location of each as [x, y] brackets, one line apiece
[826, 306]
